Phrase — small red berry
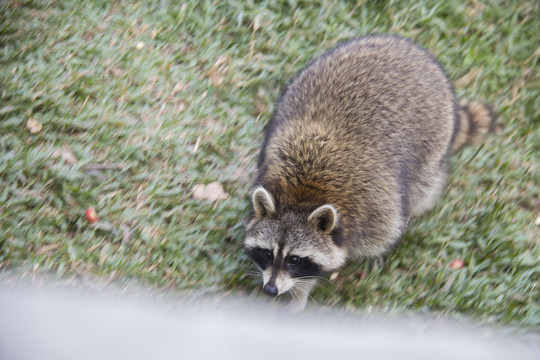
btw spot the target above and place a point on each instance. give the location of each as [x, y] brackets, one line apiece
[91, 215]
[457, 264]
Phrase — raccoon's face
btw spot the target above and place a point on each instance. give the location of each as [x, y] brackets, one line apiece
[291, 249]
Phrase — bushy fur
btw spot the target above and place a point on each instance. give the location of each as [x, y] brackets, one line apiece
[367, 129]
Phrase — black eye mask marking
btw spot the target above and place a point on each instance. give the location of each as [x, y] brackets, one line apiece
[302, 267]
[261, 257]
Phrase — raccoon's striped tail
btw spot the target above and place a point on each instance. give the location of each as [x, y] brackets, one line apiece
[475, 121]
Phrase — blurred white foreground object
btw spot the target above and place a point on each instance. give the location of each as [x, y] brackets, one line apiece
[43, 323]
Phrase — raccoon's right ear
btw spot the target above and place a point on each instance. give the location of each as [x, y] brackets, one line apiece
[263, 204]
[324, 218]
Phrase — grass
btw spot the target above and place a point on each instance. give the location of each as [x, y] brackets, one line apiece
[177, 94]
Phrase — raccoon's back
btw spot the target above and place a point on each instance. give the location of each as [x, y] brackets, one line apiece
[377, 95]
[372, 88]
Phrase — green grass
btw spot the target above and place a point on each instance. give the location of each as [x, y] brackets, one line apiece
[190, 107]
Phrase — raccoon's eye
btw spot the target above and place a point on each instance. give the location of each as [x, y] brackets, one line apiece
[294, 260]
[267, 254]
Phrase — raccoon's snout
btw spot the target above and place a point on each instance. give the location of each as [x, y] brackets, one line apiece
[270, 290]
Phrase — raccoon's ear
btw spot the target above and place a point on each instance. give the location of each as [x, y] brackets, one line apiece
[263, 204]
[324, 218]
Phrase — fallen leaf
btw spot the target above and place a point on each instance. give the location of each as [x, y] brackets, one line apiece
[91, 215]
[34, 126]
[211, 192]
[457, 264]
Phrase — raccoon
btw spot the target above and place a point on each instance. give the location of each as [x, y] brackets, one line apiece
[359, 142]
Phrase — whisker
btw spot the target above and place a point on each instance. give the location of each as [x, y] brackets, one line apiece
[307, 282]
[253, 263]
[294, 294]
[305, 292]
[253, 274]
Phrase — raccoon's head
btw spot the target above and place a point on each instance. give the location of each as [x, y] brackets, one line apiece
[292, 245]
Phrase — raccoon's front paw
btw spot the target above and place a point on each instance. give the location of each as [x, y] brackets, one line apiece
[379, 260]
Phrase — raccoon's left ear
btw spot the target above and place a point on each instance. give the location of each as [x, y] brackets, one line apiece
[263, 203]
[324, 218]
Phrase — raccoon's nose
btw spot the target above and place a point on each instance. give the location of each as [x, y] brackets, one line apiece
[270, 290]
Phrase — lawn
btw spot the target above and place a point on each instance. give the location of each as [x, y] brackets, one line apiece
[127, 106]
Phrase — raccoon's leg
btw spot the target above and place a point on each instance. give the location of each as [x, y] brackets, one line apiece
[377, 259]
[300, 295]
[430, 194]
